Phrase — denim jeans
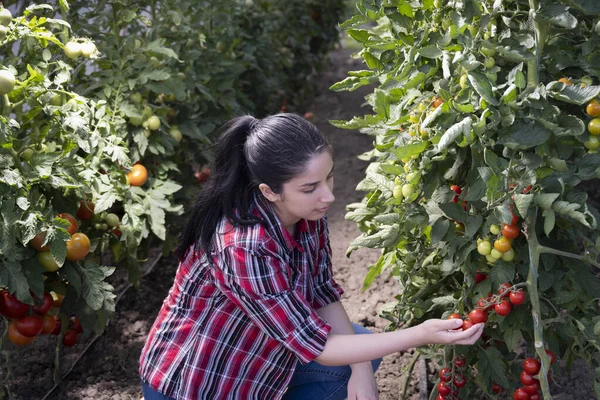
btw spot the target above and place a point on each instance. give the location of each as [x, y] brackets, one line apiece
[314, 381]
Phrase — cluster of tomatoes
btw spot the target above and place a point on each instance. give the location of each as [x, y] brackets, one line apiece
[593, 110]
[452, 380]
[101, 222]
[27, 322]
[502, 248]
[77, 247]
[74, 49]
[531, 385]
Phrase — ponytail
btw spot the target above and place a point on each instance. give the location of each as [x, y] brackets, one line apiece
[229, 188]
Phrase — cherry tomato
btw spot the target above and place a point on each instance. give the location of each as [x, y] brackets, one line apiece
[527, 190]
[85, 210]
[594, 126]
[526, 379]
[531, 366]
[455, 199]
[440, 397]
[459, 381]
[37, 241]
[70, 337]
[497, 388]
[456, 189]
[17, 338]
[503, 308]
[446, 374]
[535, 396]
[552, 356]
[138, 175]
[48, 325]
[593, 108]
[57, 326]
[480, 277]
[467, 324]
[502, 245]
[112, 220]
[520, 394]
[46, 302]
[533, 388]
[517, 298]
[494, 229]
[504, 288]
[11, 307]
[30, 325]
[484, 248]
[78, 247]
[566, 81]
[514, 220]
[478, 315]
[484, 304]
[508, 256]
[454, 316]
[444, 389]
[437, 101]
[76, 325]
[459, 361]
[47, 260]
[593, 143]
[510, 231]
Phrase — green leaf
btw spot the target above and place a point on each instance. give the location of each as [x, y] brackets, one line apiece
[524, 135]
[372, 61]
[360, 35]
[558, 15]
[491, 366]
[549, 221]
[454, 211]
[385, 260]
[545, 200]
[12, 277]
[452, 133]
[482, 86]
[411, 150]
[523, 201]
[430, 52]
[574, 94]
[513, 338]
[502, 272]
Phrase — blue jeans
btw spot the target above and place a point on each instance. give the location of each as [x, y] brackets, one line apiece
[314, 381]
[151, 394]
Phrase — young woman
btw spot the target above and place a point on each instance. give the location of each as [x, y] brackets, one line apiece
[254, 312]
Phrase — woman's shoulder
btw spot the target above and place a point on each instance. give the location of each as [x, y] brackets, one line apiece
[253, 237]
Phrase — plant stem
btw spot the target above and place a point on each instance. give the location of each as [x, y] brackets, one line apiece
[536, 314]
[6, 106]
[408, 373]
[550, 250]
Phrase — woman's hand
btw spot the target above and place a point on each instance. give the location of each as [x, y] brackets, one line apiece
[448, 331]
[362, 385]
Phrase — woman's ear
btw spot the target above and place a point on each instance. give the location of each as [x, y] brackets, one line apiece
[268, 193]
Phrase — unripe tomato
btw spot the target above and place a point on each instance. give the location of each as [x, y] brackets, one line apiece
[510, 231]
[15, 337]
[502, 245]
[397, 193]
[70, 337]
[5, 16]
[484, 248]
[593, 108]
[494, 229]
[136, 98]
[87, 49]
[594, 126]
[36, 242]
[489, 62]
[408, 189]
[487, 51]
[464, 81]
[112, 220]
[138, 176]
[509, 255]
[44, 304]
[531, 366]
[47, 260]
[153, 123]
[72, 49]
[85, 210]
[478, 315]
[593, 143]
[7, 82]
[11, 307]
[49, 323]
[495, 254]
[30, 325]
[502, 308]
[74, 225]
[520, 394]
[491, 259]
[517, 298]
[176, 134]
[78, 247]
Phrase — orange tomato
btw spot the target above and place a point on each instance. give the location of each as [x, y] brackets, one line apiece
[502, 245]
[593, 108]
[49, 324]
[15, 337]
[74, 225]
[37, 241]
[566, 81]
[437, 101]
[510, 231]
[138, 176]
[78, 247]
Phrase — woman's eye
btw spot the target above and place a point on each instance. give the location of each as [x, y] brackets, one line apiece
[309, 191]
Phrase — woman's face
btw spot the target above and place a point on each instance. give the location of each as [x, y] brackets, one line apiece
[309, 194]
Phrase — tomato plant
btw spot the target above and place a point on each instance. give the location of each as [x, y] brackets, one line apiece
[515, 136]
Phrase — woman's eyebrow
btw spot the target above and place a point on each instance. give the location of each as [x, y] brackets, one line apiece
[314, 183]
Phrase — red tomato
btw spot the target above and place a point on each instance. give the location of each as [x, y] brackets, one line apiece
[74, 225]
[70, 337]
[15, 337]
[504, 288]
[531, 366]
[48, 325]
[85, 210]
[459, 381]
[517, 298]
[459, 361]
[76, 325]
[467, 324]
[535, 397]
[520, 394]
[510, 231]
[30, 325]
[138, 175]
[45, 304]
[526, 379]
[497, 389]
[440, 397]
[12, 307]
[502, 308]
[484, 304]
[456, 189]
[37, 241]
[202, 175]
[552, 356]
[480, 277]
[444, 389]
[57, 326]
[527, 189]
[454, 316]
[478, 315]
[533, 388]
[446, 374]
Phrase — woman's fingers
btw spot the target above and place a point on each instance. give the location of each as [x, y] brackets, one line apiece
[468, 336]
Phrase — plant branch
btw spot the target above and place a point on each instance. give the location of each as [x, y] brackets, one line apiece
[550, 250]
[408, 374]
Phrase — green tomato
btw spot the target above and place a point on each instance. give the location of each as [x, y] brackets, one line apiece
[408, 190]
[147, 112]
[7, 82]
[26, 154]
[487, 51]
[496, 254]
[87, 49]
[112, 220]
[489, 62]
[397, 193]
[175, 134]
[438, 3]
[136, 120]
[48, 262]
[72, 49]
[464, 81]
[494, 229]
[153, 123]
[147, 132]
[490, 258]
[56, 100]
[509, 255]
[593, 143]
[411, 176]
[484, 248]
[135, 98]
[3, 32]
[398, 180]
[472, 30]
[5, 17]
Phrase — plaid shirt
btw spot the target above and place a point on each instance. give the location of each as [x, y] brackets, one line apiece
[235, 326]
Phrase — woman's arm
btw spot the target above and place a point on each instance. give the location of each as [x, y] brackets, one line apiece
[343, 349]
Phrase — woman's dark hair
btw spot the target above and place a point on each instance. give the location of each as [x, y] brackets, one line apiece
[249, 152]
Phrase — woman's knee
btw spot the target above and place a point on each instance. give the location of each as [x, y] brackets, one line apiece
[361, 330]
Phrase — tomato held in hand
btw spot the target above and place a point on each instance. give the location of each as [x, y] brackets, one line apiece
[503, 308]
[15, 337]
[510, 231]
[531, 366]
[78, 247]
[478, 316]
[467, 324]
[517, 298]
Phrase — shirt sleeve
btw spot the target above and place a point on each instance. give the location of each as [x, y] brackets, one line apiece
[257, 281]
[326, 289]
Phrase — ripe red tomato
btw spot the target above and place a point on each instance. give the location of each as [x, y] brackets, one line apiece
[454, 316]
[30, 325]
[531, 366]
[533, 388]
[484, 304]
[37, 241]
[480, 277]
[138, 175]
[70, 337]
[15, 337]
[11, 307]
[552, 356]
[445, 374]
[459, 381]
[535, 397]
[504, 288]
[502, 308]
[76, 325]
[520, 394]
[78, 247]
[202, 175]
[510, 231]
[444, 389]
[526, 379]
[44, 304]
[527, 190]
[497, 388]
[85, 210]
[459, 361]
[440, 397]
[478, 315]
[517, 298]
[74, 225]
[456, 189]
[467, 324]
[48, 325]
[57, 326]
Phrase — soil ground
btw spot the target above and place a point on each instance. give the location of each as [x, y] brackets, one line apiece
[109, 369]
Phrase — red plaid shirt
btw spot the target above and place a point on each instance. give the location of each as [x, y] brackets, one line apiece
[236, 326]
